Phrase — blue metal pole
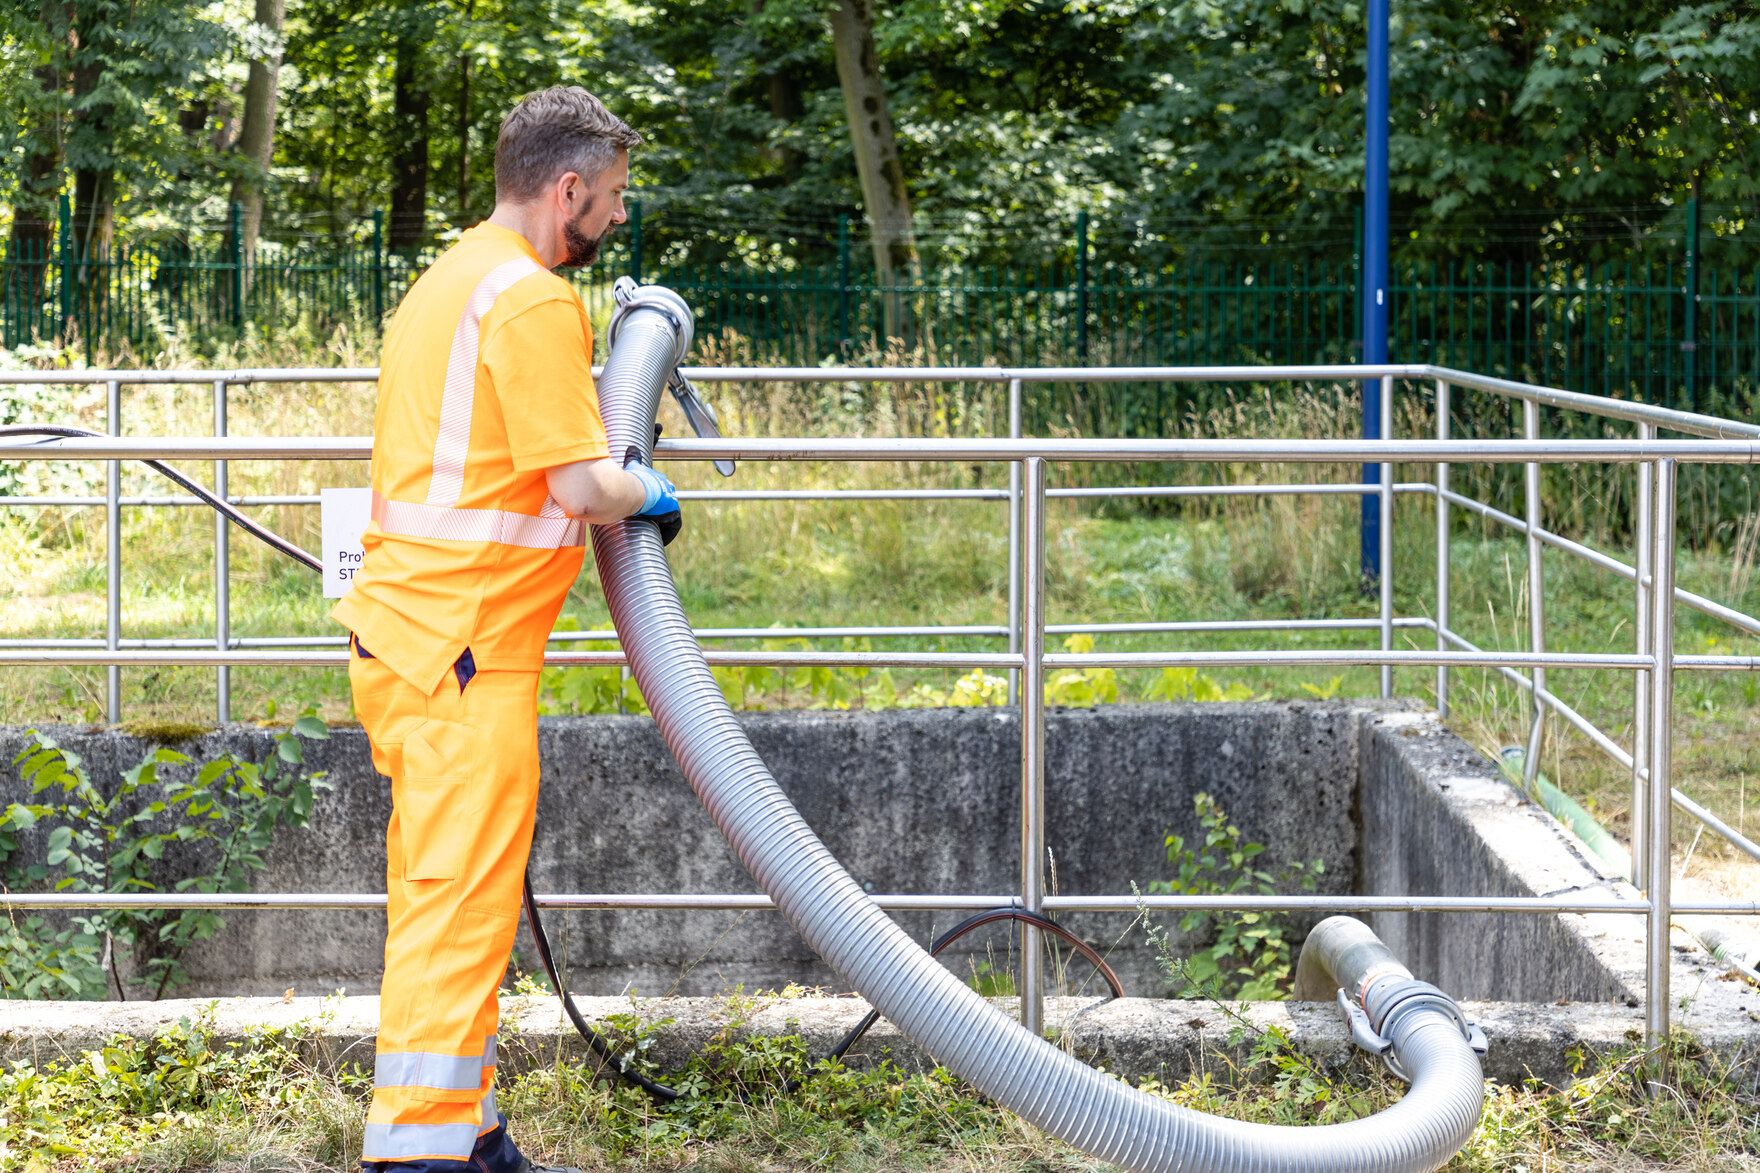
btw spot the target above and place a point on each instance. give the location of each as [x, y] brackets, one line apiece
[1374, 284]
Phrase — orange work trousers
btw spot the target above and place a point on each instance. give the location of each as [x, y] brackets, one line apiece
[463, 764]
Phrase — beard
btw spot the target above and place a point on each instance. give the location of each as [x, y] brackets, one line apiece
[581, 248]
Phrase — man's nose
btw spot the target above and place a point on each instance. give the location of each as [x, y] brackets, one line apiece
[619, 215]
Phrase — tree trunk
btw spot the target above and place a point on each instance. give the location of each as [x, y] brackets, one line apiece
[94, 184]
[877, 165]
[410, 98]
[33, 207]
[256, 138]
[464, 123]
[786, 106]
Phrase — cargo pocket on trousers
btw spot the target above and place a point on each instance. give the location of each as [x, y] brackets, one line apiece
[437, 759]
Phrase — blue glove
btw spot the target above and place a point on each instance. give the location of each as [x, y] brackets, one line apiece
[659, 500]
[660, 496]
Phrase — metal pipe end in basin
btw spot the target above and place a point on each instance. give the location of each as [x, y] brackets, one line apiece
[1017, 1069]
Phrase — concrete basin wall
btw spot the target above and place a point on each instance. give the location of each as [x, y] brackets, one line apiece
[927, 801]
[919, 801]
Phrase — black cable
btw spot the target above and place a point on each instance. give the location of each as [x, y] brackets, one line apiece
[594, 1040]
[1036, 919]
[268, 537]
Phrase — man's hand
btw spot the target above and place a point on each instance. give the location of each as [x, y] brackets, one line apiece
[660, 503]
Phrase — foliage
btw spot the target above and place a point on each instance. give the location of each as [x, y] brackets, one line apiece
[1250, 956]
[1188, 128]
[200, 831]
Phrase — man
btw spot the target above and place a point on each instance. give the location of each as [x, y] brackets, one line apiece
[489, 460]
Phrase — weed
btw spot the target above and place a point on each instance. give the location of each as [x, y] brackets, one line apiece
[1250, 956]
[214, 824]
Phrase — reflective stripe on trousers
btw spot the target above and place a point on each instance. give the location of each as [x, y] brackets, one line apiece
[463, 766]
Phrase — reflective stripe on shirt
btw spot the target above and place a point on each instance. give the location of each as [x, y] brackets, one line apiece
[553, 530]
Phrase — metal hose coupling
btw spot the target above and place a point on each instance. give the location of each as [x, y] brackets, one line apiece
[1015, 1068]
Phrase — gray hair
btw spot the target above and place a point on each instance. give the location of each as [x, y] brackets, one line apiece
[552, 132]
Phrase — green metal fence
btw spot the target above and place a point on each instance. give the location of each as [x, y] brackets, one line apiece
[1663, 333]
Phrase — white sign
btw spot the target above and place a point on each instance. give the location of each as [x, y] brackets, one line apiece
[342, 516]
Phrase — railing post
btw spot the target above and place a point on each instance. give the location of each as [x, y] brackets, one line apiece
[378, 268]
[113, 557]
[1642, 536]
[1014, 542]
[1384, 575]
[222, 568]
[1661, 809]
[1536, 596]
[1032, 984]
[1442, 551]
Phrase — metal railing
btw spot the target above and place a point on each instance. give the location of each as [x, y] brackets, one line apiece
[1652, 662]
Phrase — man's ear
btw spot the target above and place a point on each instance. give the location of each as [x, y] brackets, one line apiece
[568, 190]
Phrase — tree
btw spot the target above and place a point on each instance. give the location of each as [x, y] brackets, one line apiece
[876, 149]
[256, 136]
[408, 127]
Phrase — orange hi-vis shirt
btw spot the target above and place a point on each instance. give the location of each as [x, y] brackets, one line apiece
[485, 382]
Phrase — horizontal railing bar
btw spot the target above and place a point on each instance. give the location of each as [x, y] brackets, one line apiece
[1343, 451]
[1583, 725]
[804, 495]
[243, 658]
[171, 502]
[1337, 372]
[1697, 602]
[1718, 663]
[1663, 417]
[977, 630]
[234, 377]
[739, 901]
[1618, 753]
[1343, 658]
[1354, 490]
[1675, 420]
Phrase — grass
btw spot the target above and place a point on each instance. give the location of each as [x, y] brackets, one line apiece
[182, 1103]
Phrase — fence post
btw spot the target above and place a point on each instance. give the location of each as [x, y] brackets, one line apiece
[1384, 535]
[1014, 542]
[844, 342]
[64, 233]
[378, 268]
[1443, 534]
[113, 557]
[1082, 285]
[1661, 810]
[1645, 504]
[1536, 592]
[1690, 319]
[1032, 985]
[235, 217]
[635, 240]
[222, 569]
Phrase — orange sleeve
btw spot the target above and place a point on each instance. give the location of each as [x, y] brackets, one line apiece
[540, 363]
